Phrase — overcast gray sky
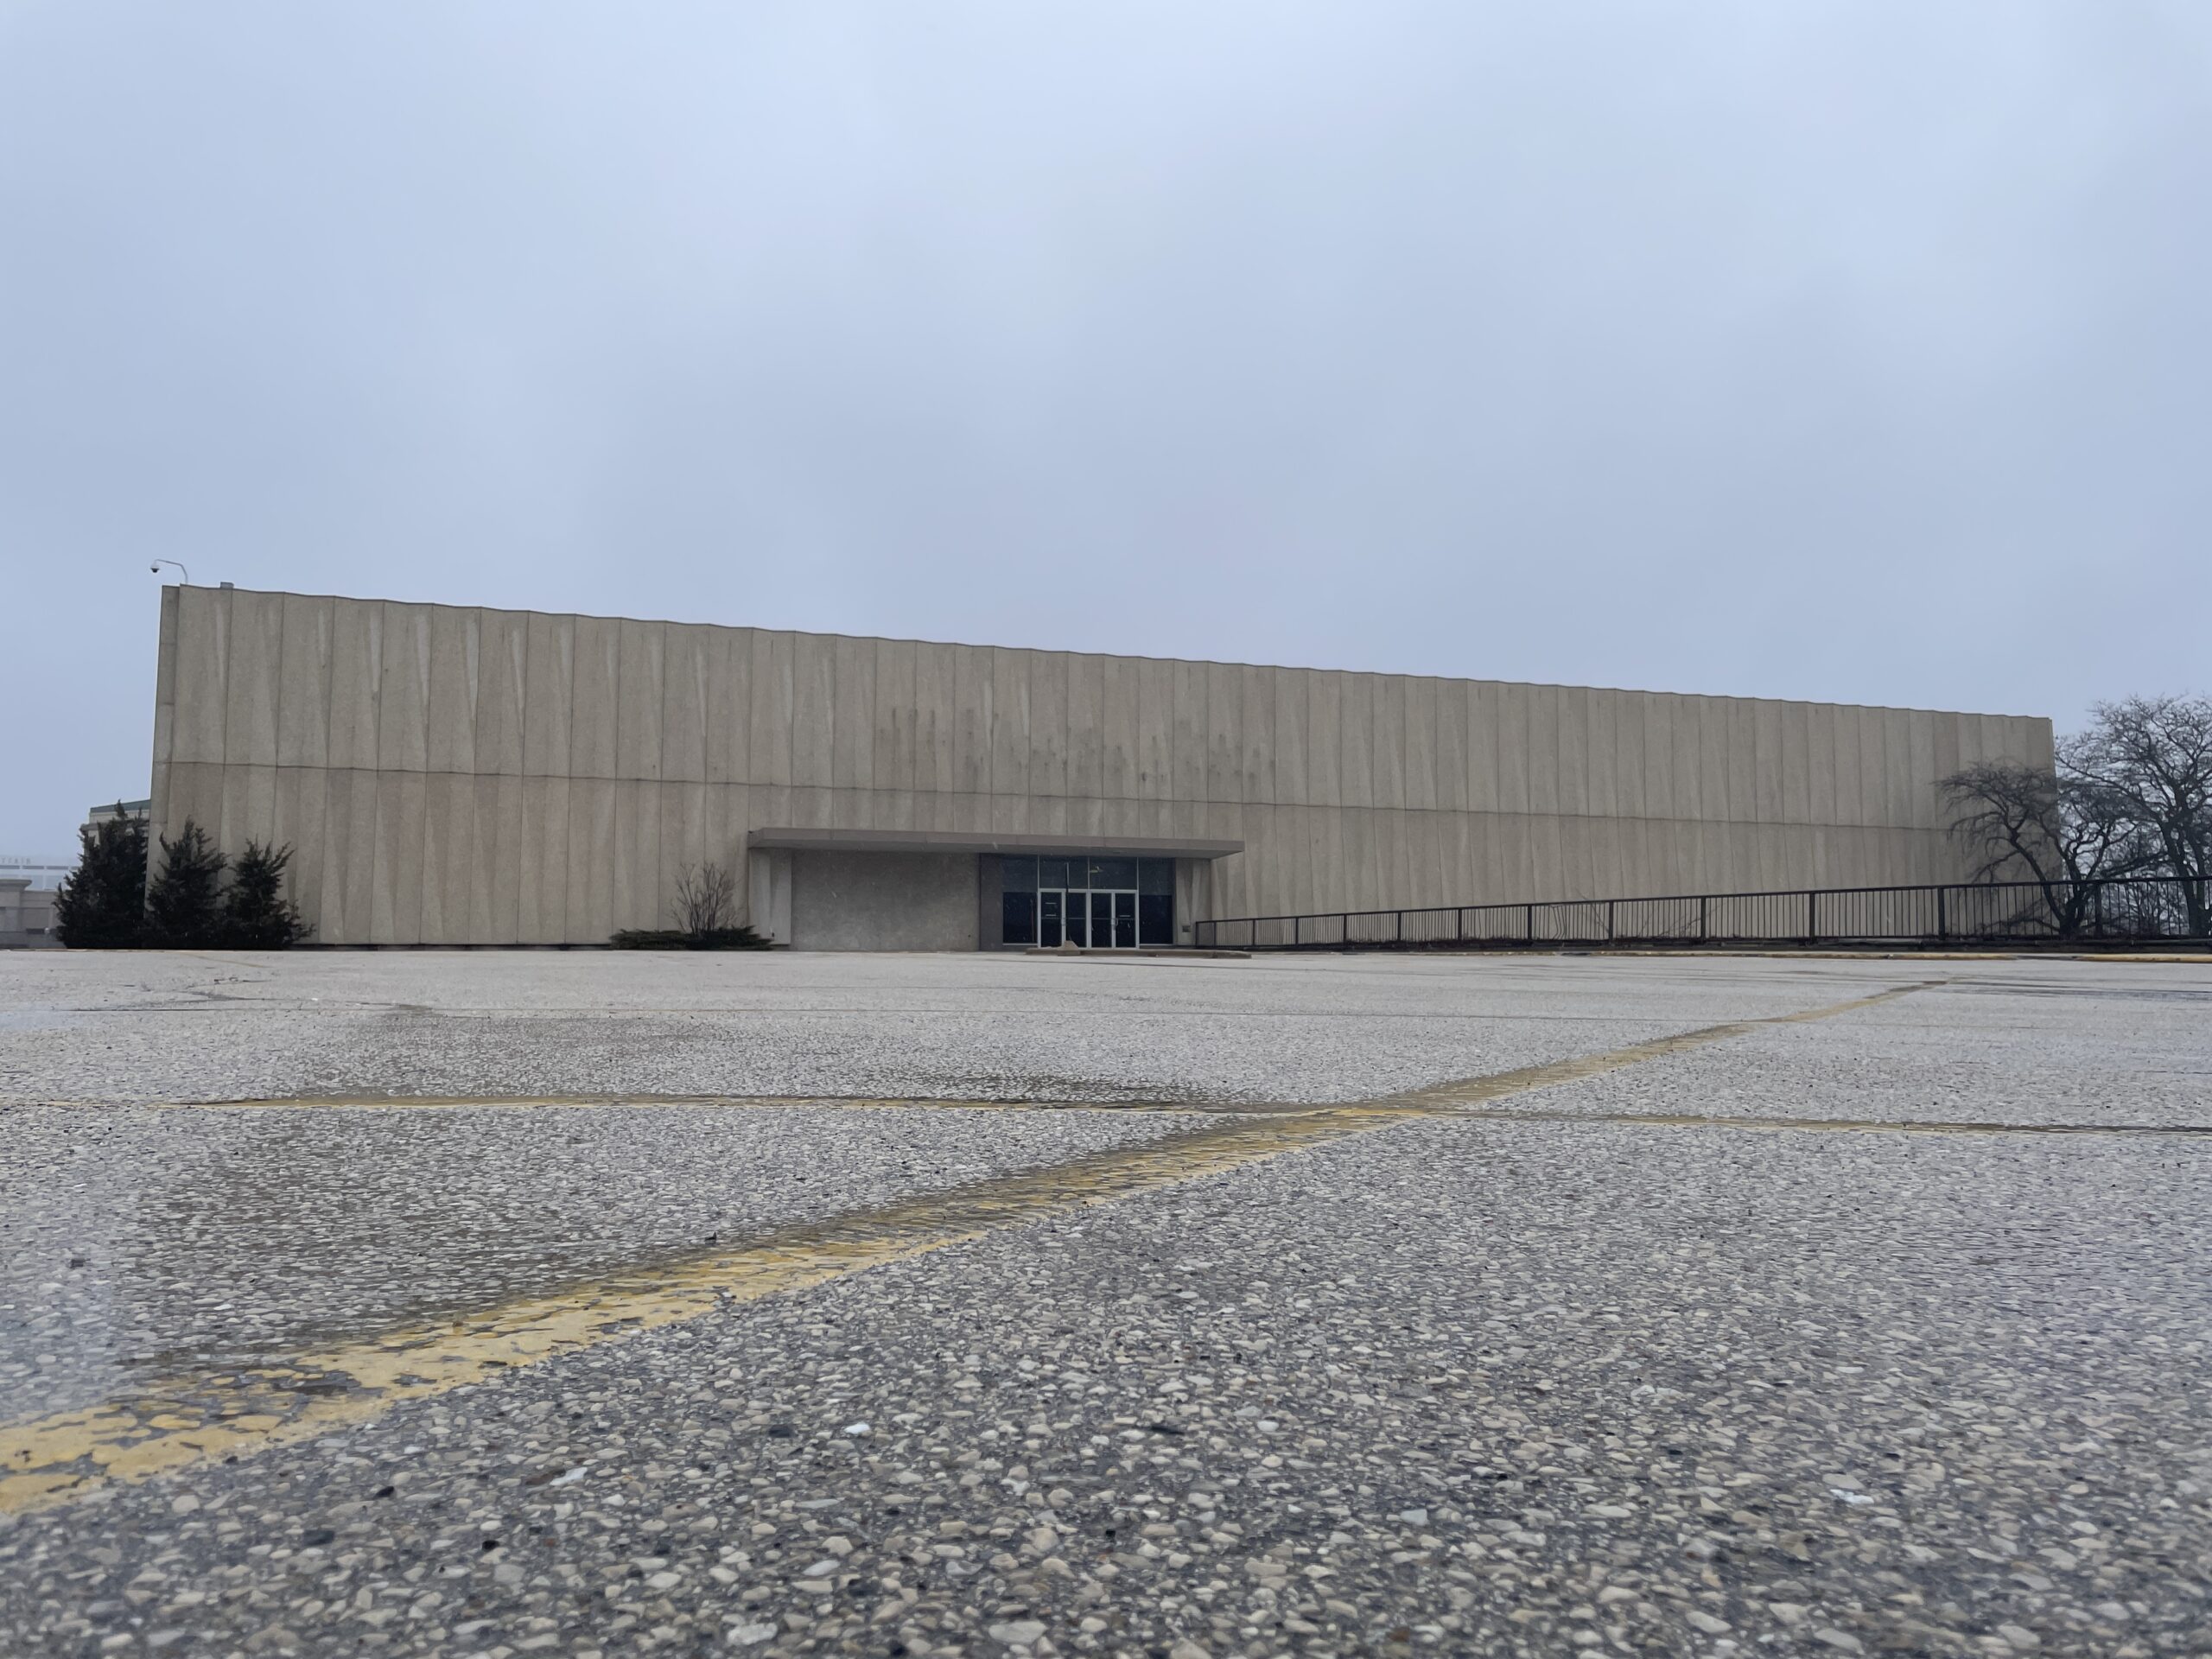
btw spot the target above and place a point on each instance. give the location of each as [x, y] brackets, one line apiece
[1841, 351]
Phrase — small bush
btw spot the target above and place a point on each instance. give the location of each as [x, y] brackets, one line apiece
[184, 903]
[256, 915]
[101, 905]
[676, 938]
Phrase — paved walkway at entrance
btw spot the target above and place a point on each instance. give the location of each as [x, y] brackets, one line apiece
[581, 1303]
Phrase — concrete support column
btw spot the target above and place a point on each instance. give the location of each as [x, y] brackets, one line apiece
[1193, 897]
[768, 894]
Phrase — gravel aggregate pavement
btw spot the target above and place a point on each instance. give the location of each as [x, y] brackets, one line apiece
[1449, 1384]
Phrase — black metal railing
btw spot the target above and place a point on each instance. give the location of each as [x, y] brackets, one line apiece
[2138, 910]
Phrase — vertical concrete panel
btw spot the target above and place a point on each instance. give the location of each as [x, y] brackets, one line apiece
[1355, 740]
[1684, 742]
[302, 824]
[303, 691]
[396, 889]
[1820, 762]
[774, 694]
[542, 895]
[1155, 750]
[729, 705]
[1189, 732]
[1487, 713]
[1387, 740]
[1602, 712]
[456, 648]
[688, 650]
[164, 709]
[595, 703]
[1921, 810]
[1427, 870]
[1325, 737]
[250, 683]
[1572, 704]
[1047, 772]
[350, 834]
[1767, 744]
[1843, 785]
[641, 663]
[892, 764]
[549, 698]
[448, 855]
[1742, 750]
[852, 713]
[356, 670]
[1715, 736]
[1631, 749]
[1794, 721]
[592, 845]
[495, 863]
[502, 683]
[403, 697]
[1325, 850]
[971, 721]
[1943, 731]
[1546, 857]
[1087, 727]
[1256, 724]
[1418, 740]
[1224, 737]
[202, 666]
[1655, 750]
[642, 888]
[248, 810]
[1122, 739]
[1009, 744]
[1451, 744]
[936, 706]
[1543, 751]
[202, 669]
[1292, 694]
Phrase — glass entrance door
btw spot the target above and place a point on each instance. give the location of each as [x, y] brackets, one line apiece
[1096, 918]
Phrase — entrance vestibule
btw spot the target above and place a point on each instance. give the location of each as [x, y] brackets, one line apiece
[1097, 903]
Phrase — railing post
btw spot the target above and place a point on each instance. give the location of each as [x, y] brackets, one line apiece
[1296, 929]
[1609, 921]
[1701, 934]
[1402, 927]
[1942, 927]
[1529, 923]
[1812, 916]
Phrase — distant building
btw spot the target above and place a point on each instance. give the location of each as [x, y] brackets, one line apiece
[139, 812]
[26, 913]
[40, 870]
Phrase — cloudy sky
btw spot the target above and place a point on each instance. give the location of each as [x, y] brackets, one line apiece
[1850, 350]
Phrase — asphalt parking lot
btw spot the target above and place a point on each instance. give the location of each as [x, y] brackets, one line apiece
[575, 1303]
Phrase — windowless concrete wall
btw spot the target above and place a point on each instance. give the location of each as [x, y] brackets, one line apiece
[450, 775]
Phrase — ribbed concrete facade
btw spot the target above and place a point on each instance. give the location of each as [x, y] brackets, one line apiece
[472, 776]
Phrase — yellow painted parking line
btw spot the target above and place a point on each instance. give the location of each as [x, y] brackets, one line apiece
[176, 1422]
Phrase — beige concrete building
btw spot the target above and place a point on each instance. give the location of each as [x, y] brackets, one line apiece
[450, 775]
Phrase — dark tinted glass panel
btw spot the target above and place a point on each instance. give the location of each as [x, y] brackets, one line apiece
[1155, 919]
[1079, 922]
[1018, 875]
[1125, 920]
[1020, 924]
[1156, 876]
[1054, 873]
[1048, 919]
[1113, 872]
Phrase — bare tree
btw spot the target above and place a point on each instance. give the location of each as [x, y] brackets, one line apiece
[706, 900]
[2154, 754]
[2058, 828]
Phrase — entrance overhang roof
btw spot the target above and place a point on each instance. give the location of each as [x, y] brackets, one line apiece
[975, 841]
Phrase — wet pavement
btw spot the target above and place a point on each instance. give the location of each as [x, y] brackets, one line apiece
[1617, 1348]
